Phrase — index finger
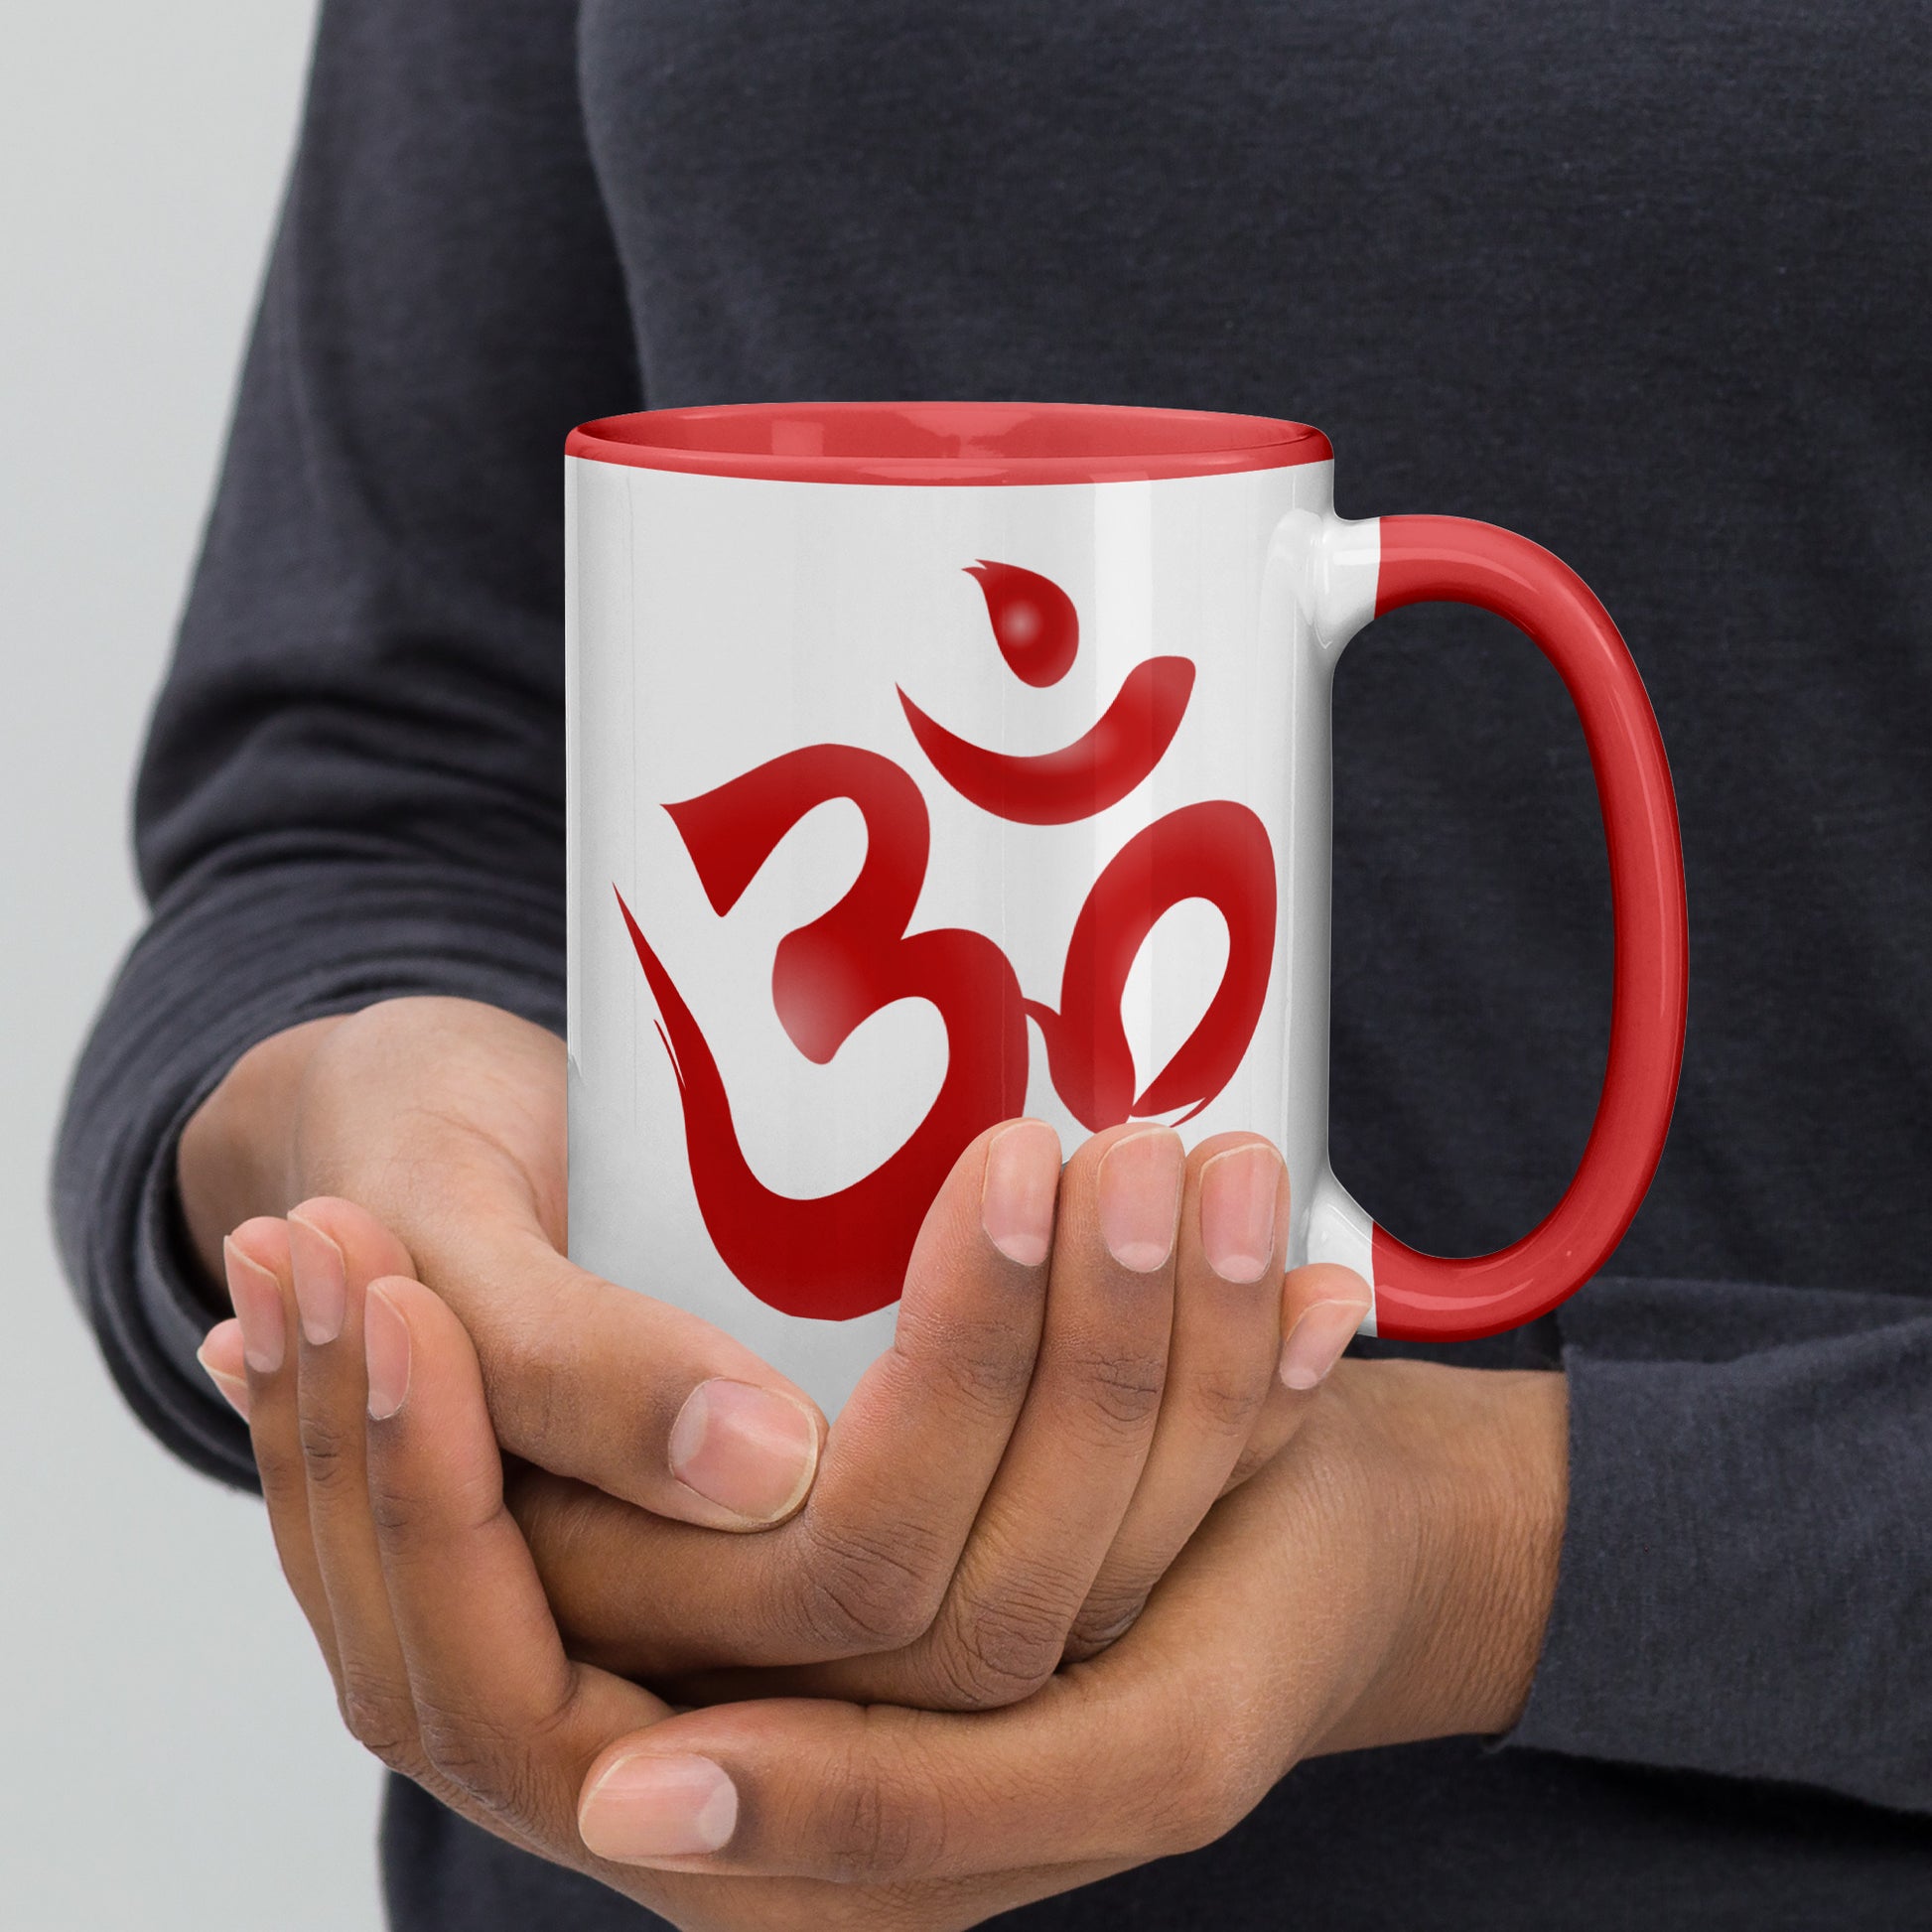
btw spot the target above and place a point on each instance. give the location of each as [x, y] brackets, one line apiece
[502, 1714]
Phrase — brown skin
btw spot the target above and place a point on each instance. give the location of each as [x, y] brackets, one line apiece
[1001, 1493]
[1387, 1581]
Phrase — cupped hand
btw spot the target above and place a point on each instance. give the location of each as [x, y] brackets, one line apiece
[1083, 1363]
[1079, 1370]
[444, 1121]
[1388, 1580]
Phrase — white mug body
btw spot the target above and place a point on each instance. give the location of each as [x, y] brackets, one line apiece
[721, 625]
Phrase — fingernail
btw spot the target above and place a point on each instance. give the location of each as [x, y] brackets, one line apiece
[385, 1347]
[1140, 1199]
[748, 1449]
[1314, 1344]
[321, 1281]
[222, 1345]
[649, 1807]
[257, 1299]
[1023, 1174]
[1238, 1190]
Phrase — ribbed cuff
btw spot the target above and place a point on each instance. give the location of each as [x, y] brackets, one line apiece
[239, 959]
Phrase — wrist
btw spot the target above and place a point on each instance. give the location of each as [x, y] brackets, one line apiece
[236, 1157]
[1475, 1465]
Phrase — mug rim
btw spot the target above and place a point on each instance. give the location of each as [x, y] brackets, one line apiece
[947, 442]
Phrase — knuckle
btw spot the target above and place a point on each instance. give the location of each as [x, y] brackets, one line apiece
[1117, 1391]
[383, 1722]
[1104, 1619]
[1211, 1784]
[997, 1652]
[484, 1760]
[331, 1458]
[874, 1826]
[395, 1510]
[404, 1514]
[509, 1354]
[284, 1482]
[985, 1366]
[1228, 1396]
[392, 1513]
[865, 1590]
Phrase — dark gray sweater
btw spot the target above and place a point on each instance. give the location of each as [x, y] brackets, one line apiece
[1648, 282]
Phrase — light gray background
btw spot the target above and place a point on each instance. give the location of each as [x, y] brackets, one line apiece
[170, 1754]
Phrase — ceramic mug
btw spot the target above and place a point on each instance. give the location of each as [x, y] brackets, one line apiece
[932, 763]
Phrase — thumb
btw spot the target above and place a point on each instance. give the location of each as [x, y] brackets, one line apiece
[643, 1400]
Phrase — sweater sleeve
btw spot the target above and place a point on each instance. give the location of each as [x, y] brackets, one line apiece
[353, 790]
[354, 783]
[1746, 1585]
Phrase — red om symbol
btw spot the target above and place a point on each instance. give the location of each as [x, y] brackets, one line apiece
[845, 1254]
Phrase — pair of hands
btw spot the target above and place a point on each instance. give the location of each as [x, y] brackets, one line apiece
[1083, 1363]
[1074, 1383]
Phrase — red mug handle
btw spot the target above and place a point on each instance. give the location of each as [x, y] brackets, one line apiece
[1451, 560]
